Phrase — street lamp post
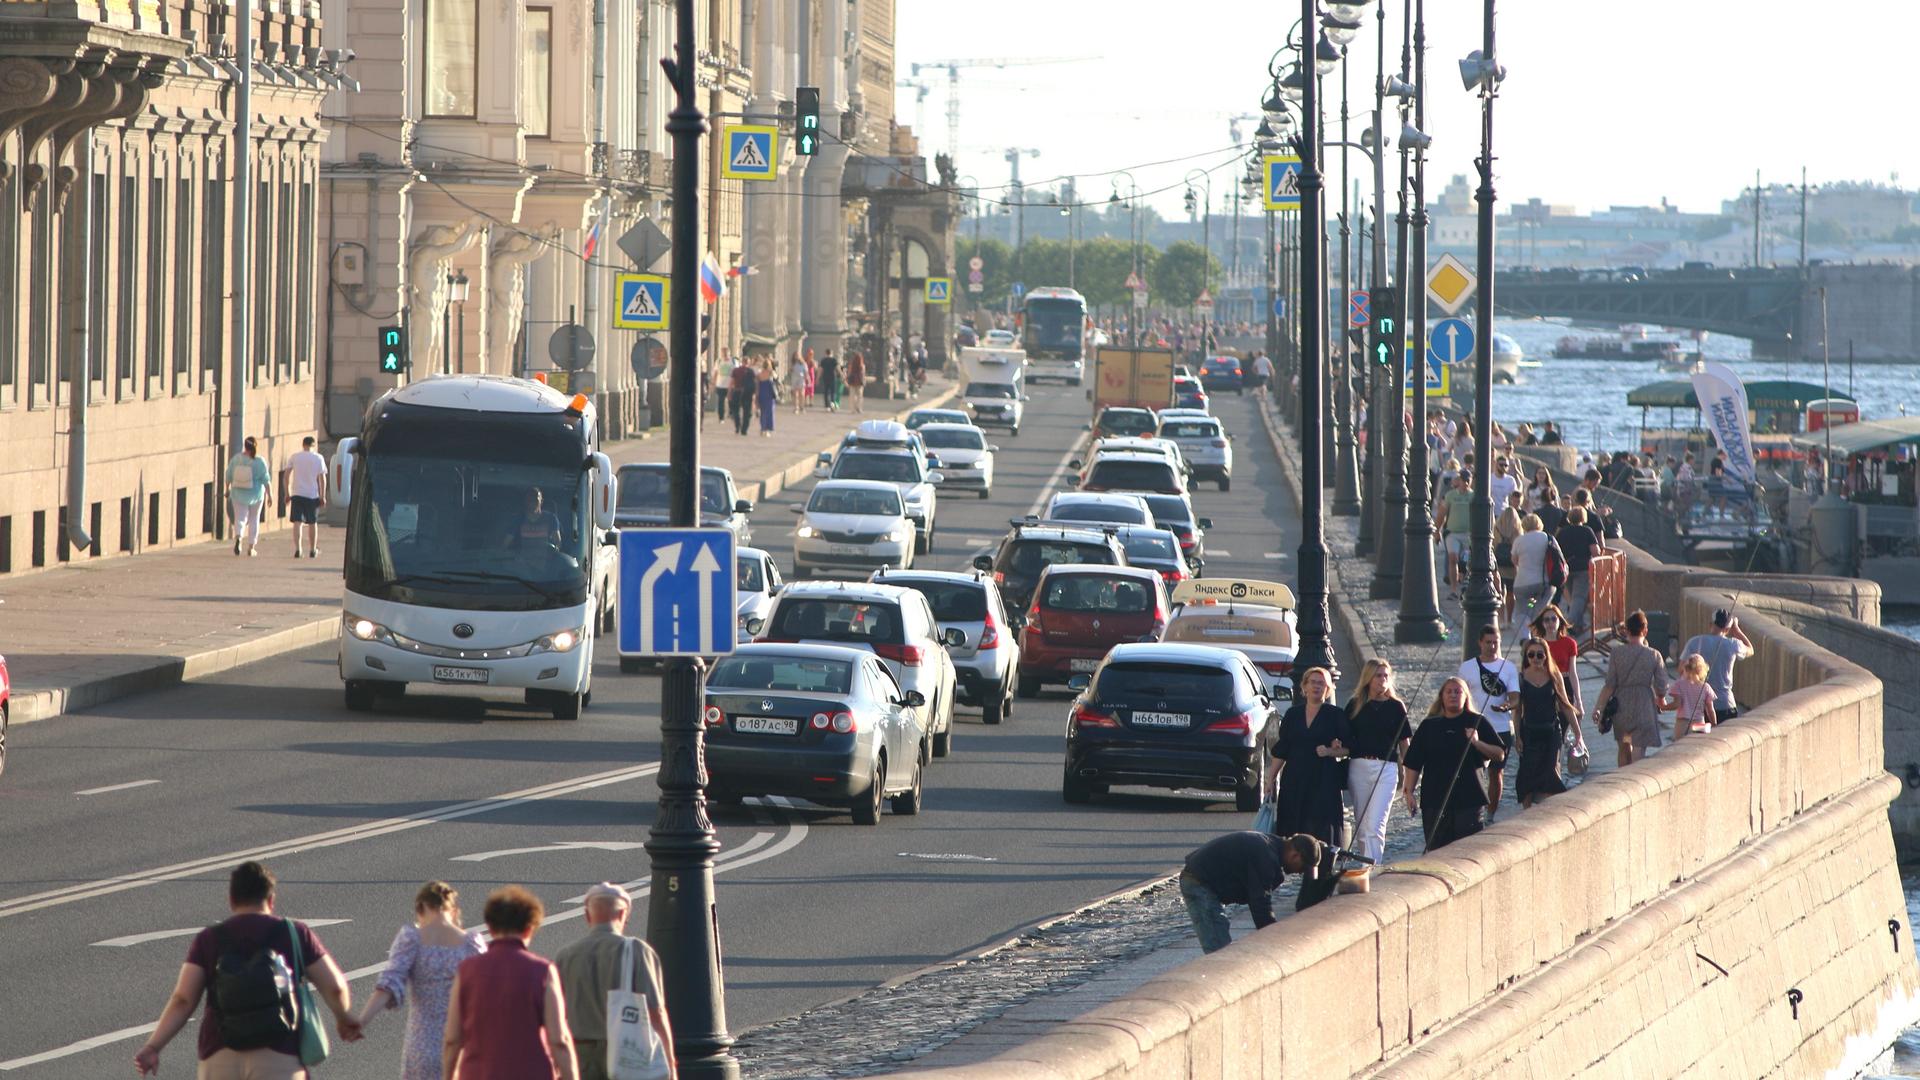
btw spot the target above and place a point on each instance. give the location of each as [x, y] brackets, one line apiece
[458, 283]
[1133, 238]
[1480, 71]
[1390, 428]
[1206, 242]
[682, 917]
[1419, 620]
[1372, 498]
[1346, 473]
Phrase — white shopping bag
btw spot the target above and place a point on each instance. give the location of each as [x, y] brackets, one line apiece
[634, 1049]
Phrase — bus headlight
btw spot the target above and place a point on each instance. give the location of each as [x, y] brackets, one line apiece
[563, 641]
[367, 629]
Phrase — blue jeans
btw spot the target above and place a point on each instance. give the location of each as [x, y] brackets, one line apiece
[1208, 914]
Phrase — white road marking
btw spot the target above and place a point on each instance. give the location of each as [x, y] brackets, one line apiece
[745, 855]
[1276, 555]
[161, 935]
[945, 856]
[1218, 554]
[116, 787]
[365, 831]
[563, 845]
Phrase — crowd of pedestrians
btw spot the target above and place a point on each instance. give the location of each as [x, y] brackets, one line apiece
[478, 1007]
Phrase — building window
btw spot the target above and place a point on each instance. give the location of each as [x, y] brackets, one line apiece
[452, 57]
[213, 288]
[536, 60]
[283, 273]
[262, 279]
[185, 243]
[157, 307]
[97, 285]
[10, 276]
[126, 290]
[303, 283]
[40, 373]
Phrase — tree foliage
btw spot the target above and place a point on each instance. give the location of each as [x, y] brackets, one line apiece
[998, 270]
[1182, 272]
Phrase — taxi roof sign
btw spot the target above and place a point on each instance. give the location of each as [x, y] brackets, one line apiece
[1234, 590]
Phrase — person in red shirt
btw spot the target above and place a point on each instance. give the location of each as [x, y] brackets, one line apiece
[508, 1019]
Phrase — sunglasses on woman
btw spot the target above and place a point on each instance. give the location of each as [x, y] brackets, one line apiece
[1536, 656]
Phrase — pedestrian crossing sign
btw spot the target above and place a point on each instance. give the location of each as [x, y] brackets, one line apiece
[1439, 376]
[939, 290]
[1283, 181]
[752, 152]
[642, 301]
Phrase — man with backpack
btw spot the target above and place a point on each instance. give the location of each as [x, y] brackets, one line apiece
[250, 968]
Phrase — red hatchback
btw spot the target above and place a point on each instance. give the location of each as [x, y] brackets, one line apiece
[1079, 612]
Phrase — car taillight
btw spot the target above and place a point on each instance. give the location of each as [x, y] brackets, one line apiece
[843, 722]
[990, 637]
[714, 715]
[1277, 667]
[1171, 576]
[999, 578]
[1233, 725]
[820, 722]
[1033, 617]
[1220, 443]
[1086, 717]
[904, 655]
[1236, 371]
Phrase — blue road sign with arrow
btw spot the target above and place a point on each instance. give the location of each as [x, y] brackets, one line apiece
[1450, 341]
[676, 592]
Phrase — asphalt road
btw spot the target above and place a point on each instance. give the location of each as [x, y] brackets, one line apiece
[118, 825]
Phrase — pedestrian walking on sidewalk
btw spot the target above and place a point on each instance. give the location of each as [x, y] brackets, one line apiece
[1545, 713]
[1551, 626]
[1378, 730]
[1532, 591]
[1494, 684]
[797, 382]
[607, 961]
[767, 397]
[857, 381]
[1691, 699]
[830, 381]
[306, 484]
[421, 963]
[1636, 685]
[1243, 868]
[1580, 544]
[508, 1018]
[813, 378]
[1451, 750]
[740, 390]
[249, 484]
[1720, 649]
[1310, 774]
[249, 968]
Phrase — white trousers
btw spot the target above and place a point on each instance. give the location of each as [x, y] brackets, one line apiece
[1371, 784]
[246, 522]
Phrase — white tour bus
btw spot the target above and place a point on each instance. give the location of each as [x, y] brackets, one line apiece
[478, 527]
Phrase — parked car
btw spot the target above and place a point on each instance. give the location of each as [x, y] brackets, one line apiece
[1168, 716]
[1134, 471]
[641, 500]
[907, 471]
[1157, 550]
[1205, 445]
[1121, 420]
[1099, 508]
[824, 723]
[1175, 514]
[1079, 612]
[920, 418]
[1188, 393]
[1219, 373]
[965, 456]
[1032, 547]
[852, 525]
[1253, 618]
[987, 657]
[893, 623]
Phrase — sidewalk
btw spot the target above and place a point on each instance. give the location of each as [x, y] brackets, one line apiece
[90, 632]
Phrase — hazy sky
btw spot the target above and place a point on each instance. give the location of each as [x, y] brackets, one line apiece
[1614, 102]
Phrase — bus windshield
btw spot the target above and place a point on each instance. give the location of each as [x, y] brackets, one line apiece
[1054, 327]
[484, 515]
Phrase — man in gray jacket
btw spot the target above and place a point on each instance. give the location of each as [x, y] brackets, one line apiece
[590, 967]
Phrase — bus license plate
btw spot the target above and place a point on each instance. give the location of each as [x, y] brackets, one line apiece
[766, 725]
[442, 673]
[1162, 719]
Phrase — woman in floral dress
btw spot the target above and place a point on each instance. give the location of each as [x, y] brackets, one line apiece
[420, 968]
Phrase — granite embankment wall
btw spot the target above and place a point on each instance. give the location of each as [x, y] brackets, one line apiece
[1731, 906]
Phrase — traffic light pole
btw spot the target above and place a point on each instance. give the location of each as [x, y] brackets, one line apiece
[683, 923]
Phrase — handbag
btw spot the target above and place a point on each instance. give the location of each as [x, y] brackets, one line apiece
[1263, 818]
[634, 1049]
[1556, 567]
[314, 1044]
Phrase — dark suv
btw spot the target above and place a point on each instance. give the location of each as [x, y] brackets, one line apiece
[1031, 548]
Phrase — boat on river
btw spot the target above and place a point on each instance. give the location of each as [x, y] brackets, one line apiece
[1872, 465]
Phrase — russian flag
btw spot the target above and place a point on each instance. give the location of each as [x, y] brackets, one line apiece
[593, 239]
[713, 283]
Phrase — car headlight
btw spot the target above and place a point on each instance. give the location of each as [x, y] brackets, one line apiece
[367, 629]
[896, 536]
[804, 532]
[561, 641]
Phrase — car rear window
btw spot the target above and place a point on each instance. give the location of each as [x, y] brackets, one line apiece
[951, 601]
[1118, 513]
[892, 468]
[825, 619]
[989, 389]
[1133, 421]
[1221, 629]
[1156, 475]
[854, 501]
[954, 440]
[647, 489]
[1029, 557]
[793, 674]
[1152, 546]
[747, 576]
[1097, 592]
[1170, 508]
[1164, 680]
[1189, 429]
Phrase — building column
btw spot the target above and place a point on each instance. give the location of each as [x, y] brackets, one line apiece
[823, 252]
[503, 294]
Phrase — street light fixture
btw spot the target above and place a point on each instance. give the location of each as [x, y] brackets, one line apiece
[1340, 31]
[1480, 73]
[1293, 84]
[457, 292]
[1325, 55]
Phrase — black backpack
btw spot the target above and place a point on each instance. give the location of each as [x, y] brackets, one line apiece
[252, 992]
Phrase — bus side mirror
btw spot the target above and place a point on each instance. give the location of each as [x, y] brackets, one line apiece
[602, 491]
[340, 472]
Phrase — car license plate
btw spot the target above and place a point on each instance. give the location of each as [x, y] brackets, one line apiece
[1162, 719]
[766, 725]
[846, 549]
[1083, 665]
[443, 673]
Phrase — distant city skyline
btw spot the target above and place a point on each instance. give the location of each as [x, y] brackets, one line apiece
[1654, 100]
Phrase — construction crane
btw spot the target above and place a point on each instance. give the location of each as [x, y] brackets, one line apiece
[952, 68]
[921, 88]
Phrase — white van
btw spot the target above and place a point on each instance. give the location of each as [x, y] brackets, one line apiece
[996, 387]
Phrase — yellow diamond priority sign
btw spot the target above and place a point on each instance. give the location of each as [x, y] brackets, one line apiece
[1449, 283]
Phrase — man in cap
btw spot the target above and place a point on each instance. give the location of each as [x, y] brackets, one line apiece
[1243, 868]
[1720, 649]
[590, 968]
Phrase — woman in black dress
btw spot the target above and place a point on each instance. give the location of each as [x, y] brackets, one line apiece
[1544, 715]
[1447, 761]
[1311, 771]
